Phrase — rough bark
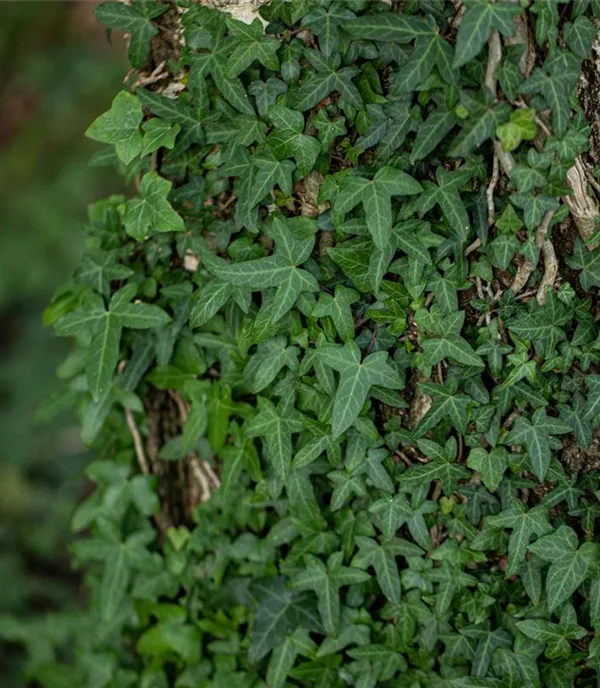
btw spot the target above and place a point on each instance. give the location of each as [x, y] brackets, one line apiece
[244, 10]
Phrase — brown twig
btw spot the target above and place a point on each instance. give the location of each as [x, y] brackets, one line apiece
[489, 193]
[181, 405]
[550, 272]
[472, 247]
[137, 442]
[494, 60]
[526, 268]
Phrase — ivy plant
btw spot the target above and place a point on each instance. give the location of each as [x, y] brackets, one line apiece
[337, 353]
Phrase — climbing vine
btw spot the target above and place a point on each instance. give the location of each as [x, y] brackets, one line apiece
[337, 354]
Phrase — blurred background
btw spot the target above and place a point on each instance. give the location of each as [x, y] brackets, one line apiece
[57, 73]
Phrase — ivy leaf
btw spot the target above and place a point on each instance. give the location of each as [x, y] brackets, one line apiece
[328, 78]
[480, 19]
[275, 425]
[382, 560]
[356, 380]
[214, 63]
[443, 467]
[452, 347]
[284, 656]
[269, 172]
[387, 27]
[580, 35]
[114, 583]
[535, 435]
[592, 406]
[279, 611]
[105, 327]
[555, 95]
[325, 582]
[328, 129]
[524, 524]
[99, 268]
[250, 45]
[277, 357]
[589, 264]
[375, 195]
[120, 126]
[338, 308]
[491, 465]
[241, 455]
[353, 257]
[568, 564]
[152, 210]
[445, 194]
[177, 112]
[520, 127]
[481, 124]
[431, 132]
[446, 403]
[195, 425]
[135, 19]
[325, 24]
[556, 636]
[158, 133]
[279, 270]
[212, 298]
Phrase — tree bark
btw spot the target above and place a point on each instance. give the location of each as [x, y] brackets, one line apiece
[244, 10]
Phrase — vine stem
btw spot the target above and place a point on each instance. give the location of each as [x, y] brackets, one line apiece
[137, 442]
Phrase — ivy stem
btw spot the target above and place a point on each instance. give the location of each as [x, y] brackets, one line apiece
[494, 60]
[137, 442]
[489, 194]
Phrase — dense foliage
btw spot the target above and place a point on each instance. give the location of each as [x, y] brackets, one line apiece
[338, 356]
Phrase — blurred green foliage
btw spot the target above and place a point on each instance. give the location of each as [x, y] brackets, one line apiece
[57, 72]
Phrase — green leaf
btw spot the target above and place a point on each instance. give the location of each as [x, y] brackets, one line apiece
[114, 583]
[535, 435]
[279, 611]
[103, 355]
[382, 560]
[445, 194]
[387, 27]
[120, 126]
[520, 127]
[589, 264]
[152, 210]
[339, 309]
[446, 403]
[279, 270]
[481, 125]
[195, 425]
[580, 35]
[524, 524]
[491, 465]
[158, 133]
[356, 380]
[325, 24]
[478, 22]
[432, 132]
[277, 357]
[325, 582]
[276, 426]
[554, 93]
[212, 298]
[443, 467]
[452, 347]
[568, 565]
[249, 46]
[134, 19]
[376, 196]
